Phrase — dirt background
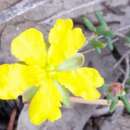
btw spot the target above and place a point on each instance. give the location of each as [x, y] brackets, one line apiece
[17, 15]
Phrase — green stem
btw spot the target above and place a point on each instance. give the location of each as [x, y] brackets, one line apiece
[125, 102]
[113, 104]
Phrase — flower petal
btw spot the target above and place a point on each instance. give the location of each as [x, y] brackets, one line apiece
[29, 46]
[65, 41]
[46, 104]
[14, 80]
[82, 82]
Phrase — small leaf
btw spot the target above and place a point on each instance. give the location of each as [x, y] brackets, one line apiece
[101, 19]
[109, 97]
[88, 24]
[64, 93]
[125, 102]
[108, 33]
[97, 44]
[100, 29]
[28, 95]
[98, 50]
[113, 104]
[110, 43]
[72, 63]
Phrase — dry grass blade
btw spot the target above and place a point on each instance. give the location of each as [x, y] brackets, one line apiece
[12, 119]
[102, 102]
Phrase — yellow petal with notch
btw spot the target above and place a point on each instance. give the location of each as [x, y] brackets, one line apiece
[82, 82]
[45, 105]
[29, 46]
[65, 41]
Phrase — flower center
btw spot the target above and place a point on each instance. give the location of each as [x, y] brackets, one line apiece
[51, 71]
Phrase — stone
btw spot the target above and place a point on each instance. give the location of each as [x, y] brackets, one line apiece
[120, 123]
[49, 10]
[73, 118]
[4, 4]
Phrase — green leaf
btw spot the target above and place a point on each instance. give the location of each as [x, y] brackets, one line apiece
[88, 24]
[28, 95]
[65, 94]
[110, 43]
[98, 50]
[97, 43]
[110, 97]
[108, 33]
[101, 19]
[72, 63]
[126, 103]
[100, 29]
[114, 102]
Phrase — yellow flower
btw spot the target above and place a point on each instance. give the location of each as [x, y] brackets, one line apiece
[47, 69]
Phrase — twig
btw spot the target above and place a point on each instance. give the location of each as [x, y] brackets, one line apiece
[13, 4]
[18, 9]
[127, 70]
[120, 34]
[121, 70]
[101, 111]
[12, 119]
[65, 12]
[1, 33]
[101, 102]
[88, 51]
[20, 103]
[126, 27]
[117, 77]
[115, 10]
[121, 59]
